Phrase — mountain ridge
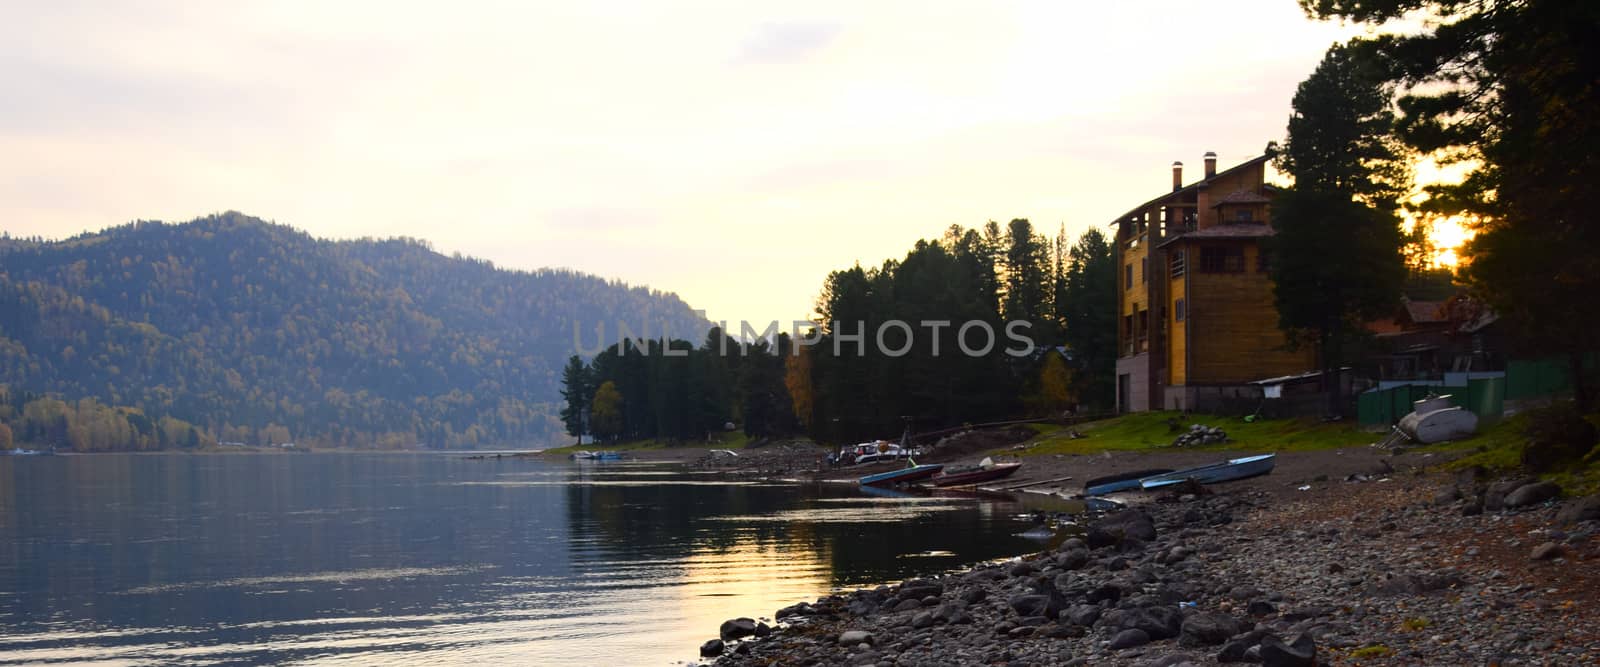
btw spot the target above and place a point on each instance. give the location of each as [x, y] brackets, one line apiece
[239, 325]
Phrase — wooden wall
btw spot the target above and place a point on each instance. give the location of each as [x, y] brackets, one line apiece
[1233, 326]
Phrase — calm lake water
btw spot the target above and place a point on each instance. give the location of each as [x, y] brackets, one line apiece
[421, 558]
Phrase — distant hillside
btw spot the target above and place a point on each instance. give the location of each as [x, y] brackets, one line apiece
[257, 332]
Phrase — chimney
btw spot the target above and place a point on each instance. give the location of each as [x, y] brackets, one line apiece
[1177, 176]
[1211, 164]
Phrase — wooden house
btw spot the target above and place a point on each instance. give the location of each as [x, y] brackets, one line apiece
[1196, 318]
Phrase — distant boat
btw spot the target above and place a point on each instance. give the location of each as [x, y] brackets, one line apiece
[583, 456]
[1227, 471]
[608, 456]
[21, 452]
[903, 475]
[872, 452]
[976, 475]
[1128, 481]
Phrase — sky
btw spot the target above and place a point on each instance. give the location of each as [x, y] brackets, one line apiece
[733, 153]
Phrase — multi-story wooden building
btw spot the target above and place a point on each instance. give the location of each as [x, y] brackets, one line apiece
[1196, 317]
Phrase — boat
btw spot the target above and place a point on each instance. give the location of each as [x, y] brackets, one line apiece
[1227, 471]
[872, 452]
[21, 452]
[887, 492]
[1128, 481]
[583, 456]
[975, 475]
[903, 475]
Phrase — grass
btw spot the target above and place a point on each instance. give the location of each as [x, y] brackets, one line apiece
[730, 440]
[1150, 430]
[1415, 624]
[1499, 448]
[1373, 651]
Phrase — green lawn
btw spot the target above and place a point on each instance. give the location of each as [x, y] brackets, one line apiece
[1497, 446]
[1149, 430]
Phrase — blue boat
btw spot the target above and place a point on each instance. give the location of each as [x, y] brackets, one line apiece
[1227, 471]
[1128, 481]
[902, 475]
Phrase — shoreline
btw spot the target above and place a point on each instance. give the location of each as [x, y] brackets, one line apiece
[1375, 563]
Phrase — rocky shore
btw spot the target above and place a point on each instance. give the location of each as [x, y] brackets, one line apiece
[1409, 570]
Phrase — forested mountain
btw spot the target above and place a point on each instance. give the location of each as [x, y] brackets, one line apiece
[256, 332]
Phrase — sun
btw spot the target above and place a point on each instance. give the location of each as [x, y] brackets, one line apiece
[1446, 235]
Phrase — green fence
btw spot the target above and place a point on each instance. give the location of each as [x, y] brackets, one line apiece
[1484, 397]
[1531, 378]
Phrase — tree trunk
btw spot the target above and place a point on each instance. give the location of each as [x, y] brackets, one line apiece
[1330, 370]
[1580, 385]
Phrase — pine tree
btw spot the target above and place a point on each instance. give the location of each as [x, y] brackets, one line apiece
[1336, 259]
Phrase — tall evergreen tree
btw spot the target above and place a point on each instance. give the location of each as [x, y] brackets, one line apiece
[1509, 85]
[577, 389]
[1336, 259]
[1090, 317]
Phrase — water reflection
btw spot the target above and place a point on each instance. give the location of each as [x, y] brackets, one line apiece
[423, 558]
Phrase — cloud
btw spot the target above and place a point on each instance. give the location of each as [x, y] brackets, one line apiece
[784, 43]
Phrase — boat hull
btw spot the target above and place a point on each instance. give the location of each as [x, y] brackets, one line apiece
[1240, 468]
[976, 476]
[1128, 481]
[902, 476]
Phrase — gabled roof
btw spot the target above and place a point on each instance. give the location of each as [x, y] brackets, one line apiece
[1425, 312]
[1190, 188]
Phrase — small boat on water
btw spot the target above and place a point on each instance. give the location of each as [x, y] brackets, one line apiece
[1227, 471]
[596, 456]
[21, 452]
[903, 475]
[1128, 481]
[975, 475]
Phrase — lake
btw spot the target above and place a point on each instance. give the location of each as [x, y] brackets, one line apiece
[436, 559]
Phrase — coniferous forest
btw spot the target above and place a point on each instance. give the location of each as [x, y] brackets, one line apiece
[231, 329]
[851, 383]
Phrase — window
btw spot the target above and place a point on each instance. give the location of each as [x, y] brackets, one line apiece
[1179, 310]
[1177, 263]
[1144, 270]
[1222, 259]
[1263, 260]
[1244, 215]
[1127, 277]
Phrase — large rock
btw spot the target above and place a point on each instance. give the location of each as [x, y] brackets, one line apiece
[1033, 605]
[1129, 639]
[1207, 629]
[737, 628]
[712, 649]
[953, 613]
[1302, 652]
[1072, 559]
[1532, 494]
[801, 609]
[855, 637]
[1238, 648]
[916, 589]
[1083, 614]
[1586, 508]
[1157, 622]
[1117, 526]
[1547, 551]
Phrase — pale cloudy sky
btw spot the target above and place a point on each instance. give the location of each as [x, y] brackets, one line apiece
[731, 152]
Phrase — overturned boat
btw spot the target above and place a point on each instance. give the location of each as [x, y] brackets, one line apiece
[1128, 481]
[1227, 471]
